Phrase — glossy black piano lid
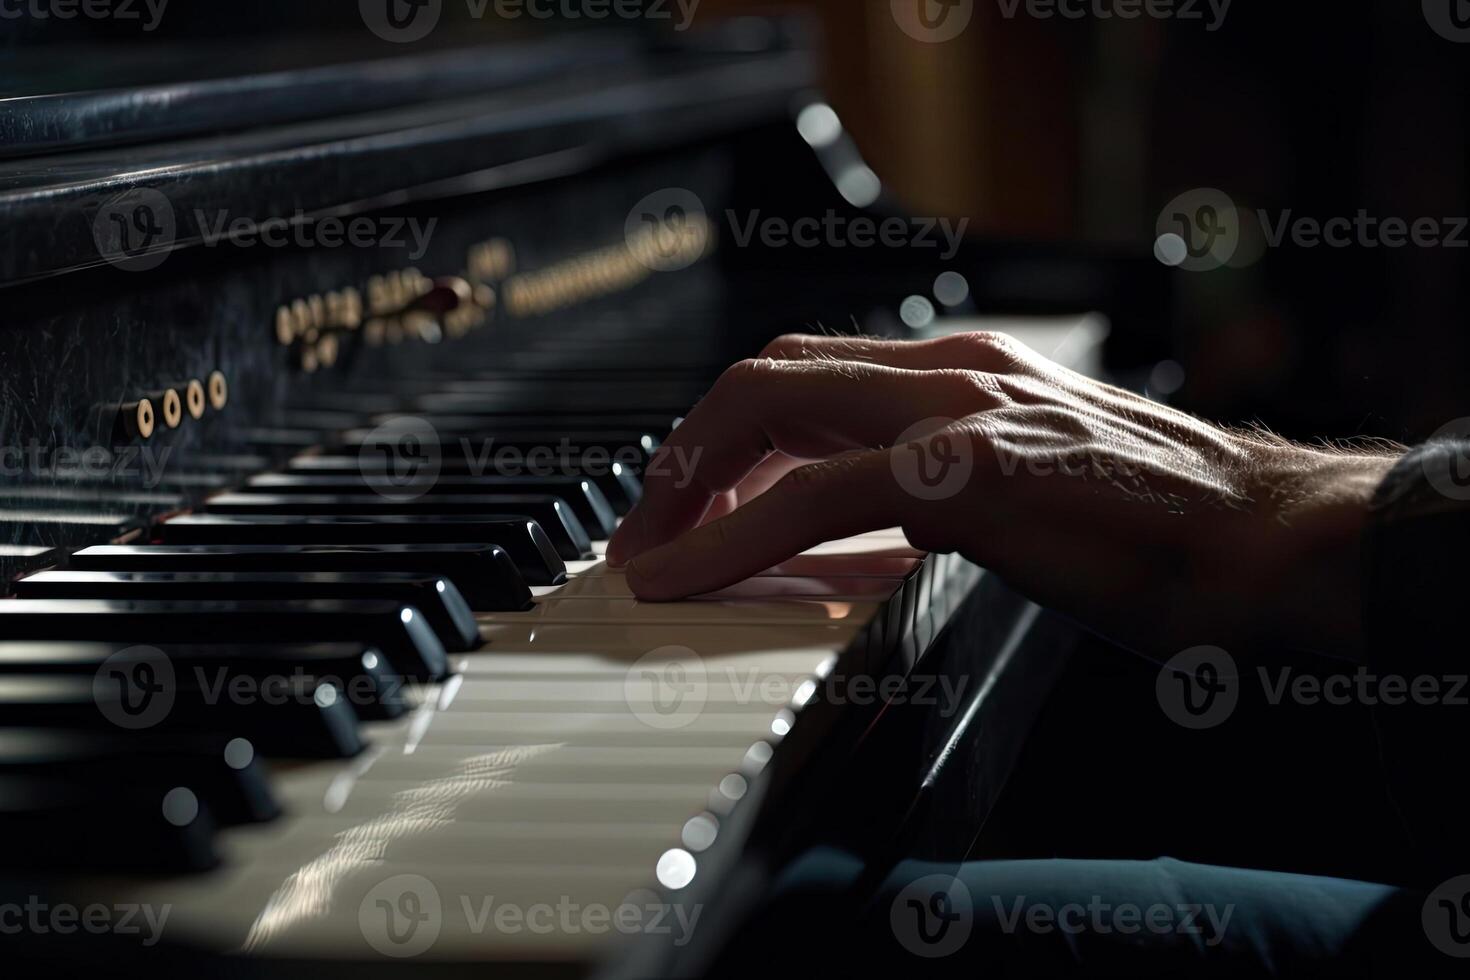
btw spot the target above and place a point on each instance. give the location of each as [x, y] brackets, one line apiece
[408, 122]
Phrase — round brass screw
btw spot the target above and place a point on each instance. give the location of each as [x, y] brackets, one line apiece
[173, 408]
[219, 391]
[141, 417]
[194, 398]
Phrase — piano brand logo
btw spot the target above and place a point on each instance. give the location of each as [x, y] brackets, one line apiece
[667, 688]
[1447, 465]
[1450, 19]
[931, 461]
[134, 688]
[401, 458]
[1197, 231]
[1446, 917]
[135, 229]
[1198, 688]
[933, 916]
[401, 916]
[933, 21]
[401, 21]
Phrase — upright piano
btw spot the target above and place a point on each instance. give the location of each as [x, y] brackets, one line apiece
[324, 385]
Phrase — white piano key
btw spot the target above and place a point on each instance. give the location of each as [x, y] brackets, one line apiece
[712, 612]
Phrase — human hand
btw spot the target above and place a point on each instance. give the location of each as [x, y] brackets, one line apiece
[1148, 524]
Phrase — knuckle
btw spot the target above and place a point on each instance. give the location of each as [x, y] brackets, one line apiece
[993, 349]
[744, 372]
[786, 347]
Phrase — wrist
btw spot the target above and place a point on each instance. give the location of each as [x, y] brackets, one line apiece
[1316, 508]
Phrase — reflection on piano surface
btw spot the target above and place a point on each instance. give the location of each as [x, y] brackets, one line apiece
[308, 639]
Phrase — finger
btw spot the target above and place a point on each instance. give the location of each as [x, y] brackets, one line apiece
[807, 409]
[979, 350]
[824, 501]
[765, 475]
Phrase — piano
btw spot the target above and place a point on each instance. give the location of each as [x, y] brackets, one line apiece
[325, 384]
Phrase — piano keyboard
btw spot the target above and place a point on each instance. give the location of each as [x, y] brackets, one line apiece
[473, 714]
[587, 758]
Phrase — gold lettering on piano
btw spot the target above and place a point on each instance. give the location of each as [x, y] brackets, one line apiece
[492, 261]
[607, 270]
[310, 316]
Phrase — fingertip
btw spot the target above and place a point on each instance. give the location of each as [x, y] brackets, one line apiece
[623, 546]
[646, 583]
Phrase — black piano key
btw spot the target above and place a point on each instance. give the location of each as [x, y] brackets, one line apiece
[583, 495]
[531, 400]
[553, 514]
[294, 719]
[484, 574]
[434, 596]
[618, 483]
[225, 773]
[400, 631]
[525, 541]
[457, 425]
[360, 670]
[57, 824]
